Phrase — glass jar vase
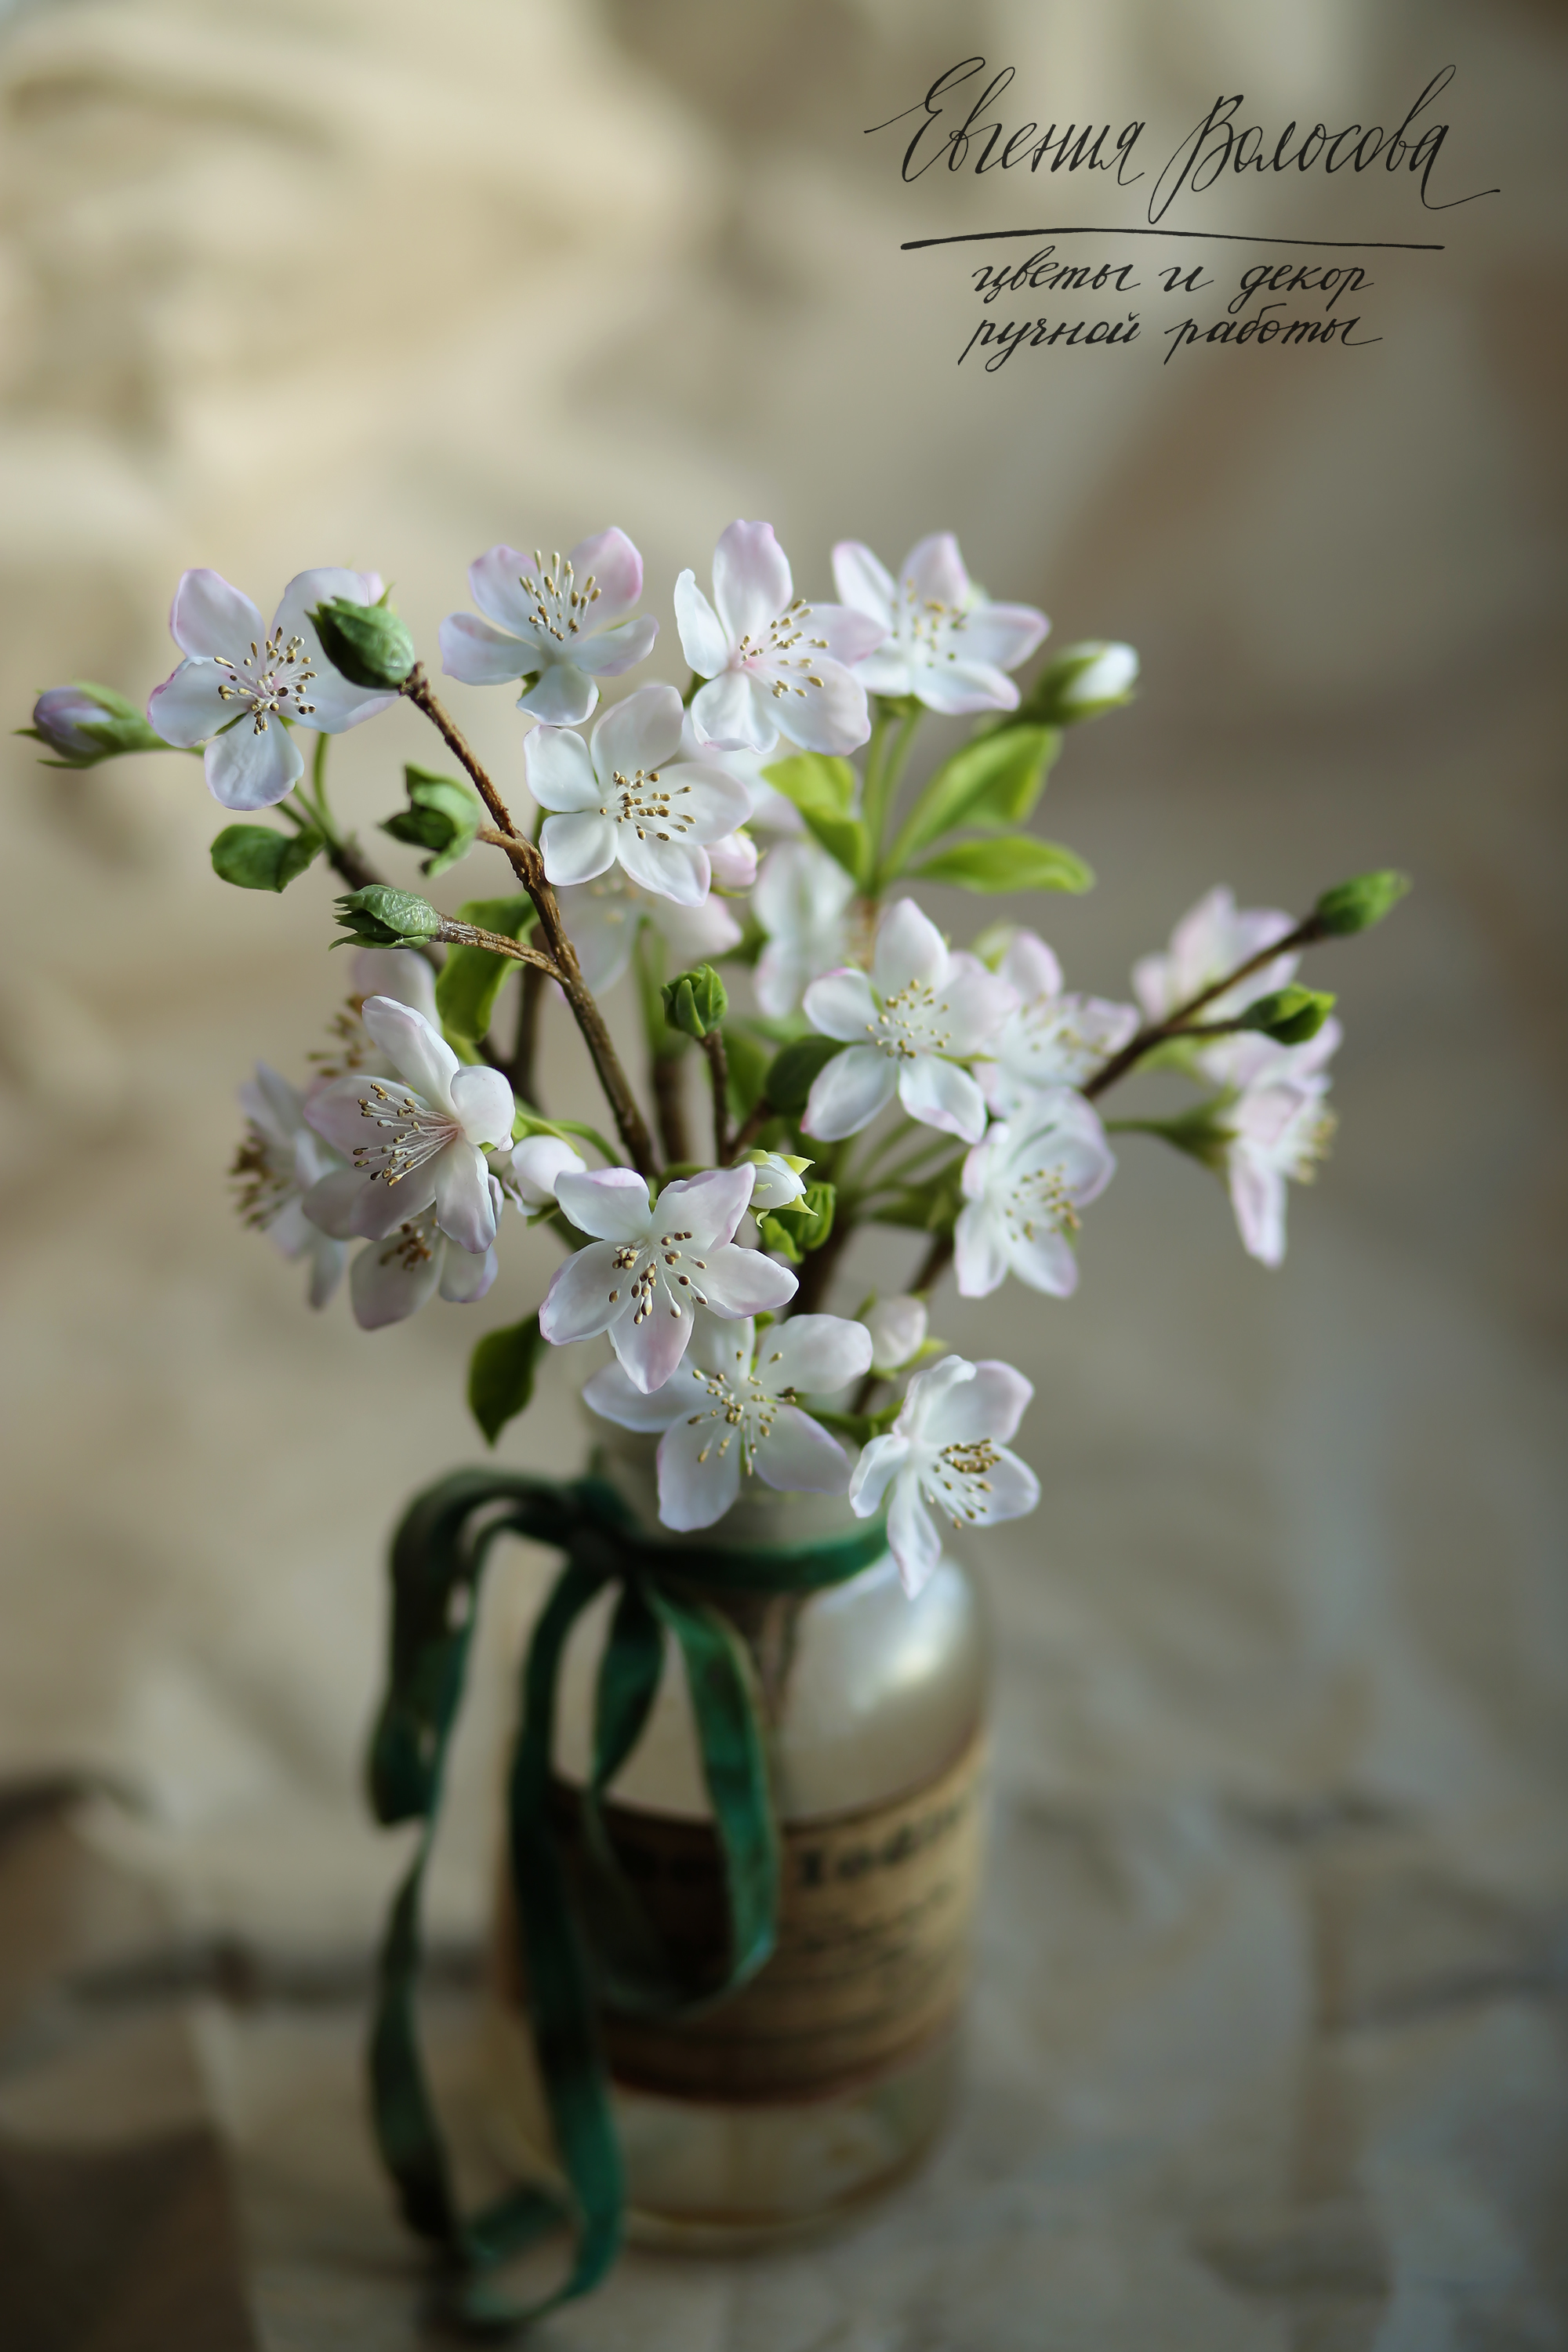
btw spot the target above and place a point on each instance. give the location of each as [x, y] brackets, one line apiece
[829, 2074]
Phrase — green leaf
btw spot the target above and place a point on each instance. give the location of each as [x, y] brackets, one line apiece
[818, 786]
[443, 816]
[845, 839]
[793, 1072]
[1016, 862]
[255, 857]
[528, 1122]
[500, 1375]
[749, 1058]
[472, 978]
[995, 780]
[804, 1224]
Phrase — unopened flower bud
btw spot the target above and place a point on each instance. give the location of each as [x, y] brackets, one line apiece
[380, 917]
[1289, 1015]
[1356, 905]
[83, 723]
[696, 1002]
[1081, 683]
[366, 644]
[778, 1180]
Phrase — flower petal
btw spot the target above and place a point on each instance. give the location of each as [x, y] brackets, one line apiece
[1046, 1261]
[735, 712]
[419, 1053]
[940, 1095]
[880, 1462]
[495, 584]
[798, 1454]
[912, 1537]
[208, 617]
[396, 972]
[813, 1354]
[863, 581]
[990, 1405]
[670, 869]
[954, 688]
[732, 861]
[650, 1350]
[247, 771]
[980, 1255]
[612, 652]
[744, 1282]
[480, 654]
[484, 1104]
[976, 1003]
[330, 1201]
[840, 1005]
[702, 638]
[538, 1164]
[827, 715]
[848, 1092]
[611, 1203]
[188, 708]
[578, 1305]
[847, 635]
[751, 582]
[559, 771]
[888, 671]
[577, 848]
[465, 1277]
[464, 1208]
[1031, 967]
[708, 1206]
[615, 1398]
[933, 572]
[643, 731]
[390, 1281]
[561, 696]
[910, 949]
[1003, 636]
[616, 571]
[699, 1470]
[1257, 1197]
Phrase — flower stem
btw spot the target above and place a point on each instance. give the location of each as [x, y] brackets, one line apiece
[529, 867]
[718, 1072]
[1307, 933]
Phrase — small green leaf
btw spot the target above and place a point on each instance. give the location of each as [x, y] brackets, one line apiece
[528, 1122]
[1014, 862]
[794, 1070]
[500, 1375]
[845, 839]
[817, 785]
[254, 857]
[472, 978]
[995, 780]
[443, 816]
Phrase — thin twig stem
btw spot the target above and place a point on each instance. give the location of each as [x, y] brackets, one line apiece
[669, 1107]
[1177, 1024]
[522, 1071]
[756, 1118]
[718, 1073]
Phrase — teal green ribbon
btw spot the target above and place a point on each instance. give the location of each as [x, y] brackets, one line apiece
[606, 1953]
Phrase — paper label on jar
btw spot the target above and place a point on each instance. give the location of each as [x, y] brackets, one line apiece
[874, 1915]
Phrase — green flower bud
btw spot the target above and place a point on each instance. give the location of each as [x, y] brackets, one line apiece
[1359, 903]
[1289, 1015]
[366, 644]
[696, 1002]
[1083, 682]
[380, 917]
[84, 723]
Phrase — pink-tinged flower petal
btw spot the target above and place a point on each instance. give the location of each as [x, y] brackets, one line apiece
[670, 869]
[732, 859]
[616, 1398]
[188, 708]
[702, 638]
[848, 1092]
[1257, 1197]
[465, 1277]
[840, 1005]
[736, 713]
[849, 636]
[831, 716]
[1046, 1261]
[390, 1281]
[1003, 636]
[610, 652]
[923, 1418]
[577, 848]
[615, 567]
[480, 654]
[208, 617]
[418, 1052]
[484, 1104]
[954, 688]
[696, 934]
[495, 584]
[980, 1259]
[562, 695]
[711, 1205]
[751, 582]
[933, 569]
[887, 671]
[335, 1112]
[649, 1351]
[1031, 967]
[699, 1471]
[744, 1282]
[940, 1095]
[398, 972]
[611, 1203]
[977, 1002]
[643, 731]
[912, 1537]
[798, 1454]
[990, 1405]
[559, 772]
[813, 1354]
[864, 583]
[910, 949]
[578, 1305]
[330, 1201]
[381, 1208]
[246, 770]
[880, 1462]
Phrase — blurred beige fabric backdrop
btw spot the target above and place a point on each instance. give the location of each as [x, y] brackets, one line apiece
[1269, 2051]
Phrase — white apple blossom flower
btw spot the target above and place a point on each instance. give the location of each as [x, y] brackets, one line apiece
[402, 1271]
[947, 1447]
[1052, 1039]
[1022, 1186]
[651, 1265]
[780, 1181]
[625, 797]
[279, 1161]
[1280, 1126]
[414, 1143]
[560, 625]
[922, 1010]
[774, 664]
[239, 678]
[802, 900]
[897, 1328]
[531, 1171]
[945, 641]
[731, 1407]
[1210, 939]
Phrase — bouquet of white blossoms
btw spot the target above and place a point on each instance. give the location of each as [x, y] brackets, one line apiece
[872, 1075]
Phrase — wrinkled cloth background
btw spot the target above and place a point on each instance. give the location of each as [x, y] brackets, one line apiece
[1267, 2050]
